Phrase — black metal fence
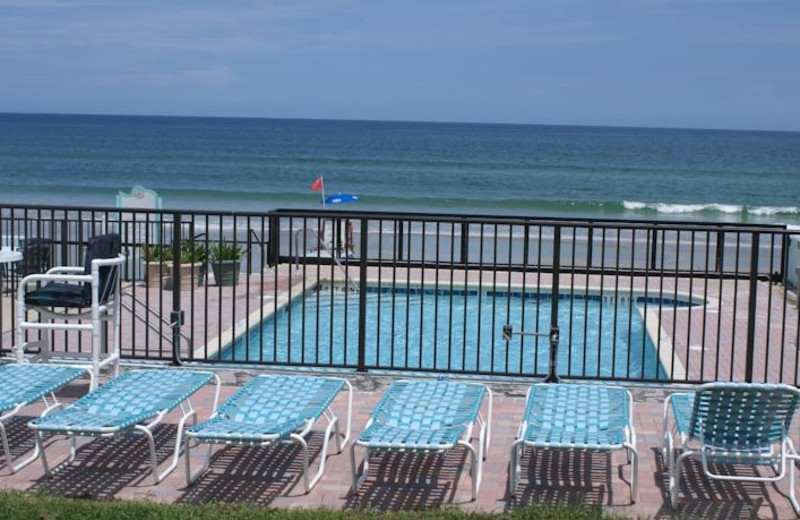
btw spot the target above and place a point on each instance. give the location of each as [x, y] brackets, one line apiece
[610, 299]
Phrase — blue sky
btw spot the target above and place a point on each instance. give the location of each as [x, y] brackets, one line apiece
[674, 63]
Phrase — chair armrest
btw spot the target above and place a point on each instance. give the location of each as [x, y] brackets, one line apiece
[105, 262]
[32, 278]
[64, 269]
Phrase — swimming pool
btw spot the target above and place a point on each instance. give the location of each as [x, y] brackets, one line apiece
[430, 329]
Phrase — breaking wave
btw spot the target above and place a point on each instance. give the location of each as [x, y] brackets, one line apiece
[668, 208]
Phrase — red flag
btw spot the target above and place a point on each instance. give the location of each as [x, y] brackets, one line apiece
[318, 185]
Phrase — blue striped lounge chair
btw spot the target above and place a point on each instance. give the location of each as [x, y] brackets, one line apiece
[22, 384]
[427, 417]
[132, 404]
[272, 410]
[576, 417]
[732, 423]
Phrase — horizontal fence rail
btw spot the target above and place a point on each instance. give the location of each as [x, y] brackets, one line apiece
[595, 299]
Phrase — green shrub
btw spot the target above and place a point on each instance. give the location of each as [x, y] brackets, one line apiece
[222, 251]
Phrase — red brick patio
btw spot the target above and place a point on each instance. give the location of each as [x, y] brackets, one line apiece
[401, 481]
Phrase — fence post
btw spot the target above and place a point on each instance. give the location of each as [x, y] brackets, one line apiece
[653, 248]
[751, 310]
[552, 373]
[249, 260]
[720, 252]
[362, 298]
[589, 247]
[464, 243]
[274, 244]
[526, 247]
[64, 241]
[784, 259]
[399, 240]
[176, 316]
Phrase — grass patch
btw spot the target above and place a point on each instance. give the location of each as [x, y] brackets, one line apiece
[16, 505]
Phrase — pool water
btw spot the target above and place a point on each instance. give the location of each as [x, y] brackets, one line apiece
[426, 329]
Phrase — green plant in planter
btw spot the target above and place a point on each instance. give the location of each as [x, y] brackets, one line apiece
[160, 259]
[193, 252]
[156, 254]
[157, 260]
[222, 251]
[225, 258]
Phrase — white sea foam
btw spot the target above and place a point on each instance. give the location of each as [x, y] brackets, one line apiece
[674, 208]
[633, 205]
[663, 207]
[774, 210]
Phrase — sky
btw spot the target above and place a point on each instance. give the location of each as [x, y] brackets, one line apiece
[661, 63]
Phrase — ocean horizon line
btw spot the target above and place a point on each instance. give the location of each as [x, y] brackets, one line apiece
[404, 121]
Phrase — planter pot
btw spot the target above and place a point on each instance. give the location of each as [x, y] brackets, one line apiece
[157, 272]
[187, 279]
[226, 272]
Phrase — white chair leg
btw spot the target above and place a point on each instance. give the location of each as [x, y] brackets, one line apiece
[12, 466]
[792, 491]
[116, 349]
[353, 470]
[514, 467]
[187, 466]
[476, 468]
[73, 451]
[358, 480]
[153, 457]
[349, 418]
[304, 447]
[6, 448]
[633, 458]
[309, 483]
[45, 465]
[675, 479]
[189, 412]
[337, 435]
[192, 478]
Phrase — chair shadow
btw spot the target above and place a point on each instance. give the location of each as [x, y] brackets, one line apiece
[567, 477]
[252, 475]
[407, 481]
[701, 497]
[73, 391]
[21, 441]
[103, 467]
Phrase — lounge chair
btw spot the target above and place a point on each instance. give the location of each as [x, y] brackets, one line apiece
[576, 417]
[24, 384]
[733, 423]
[77, 299]
[272, 410]
[427, 417]
[134, 403]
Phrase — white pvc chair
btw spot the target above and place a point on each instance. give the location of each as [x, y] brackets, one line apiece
[69, 296]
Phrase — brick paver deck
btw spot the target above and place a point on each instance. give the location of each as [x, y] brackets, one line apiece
[400, 481]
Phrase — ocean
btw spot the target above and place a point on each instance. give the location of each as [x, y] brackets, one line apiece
[261, 164]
